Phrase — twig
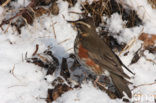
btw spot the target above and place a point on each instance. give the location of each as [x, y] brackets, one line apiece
[63, 41]
[12, 72]
[145, 11]
[5, 3]
[129, 45]
[120, 9]
[54, 29]
[63, 17]
[144, 85]
[75, 12]
[37, 47]
[7, 21]
[7, 28]
[69, 49]
[44, 37]
[150, 60]
[42, 98]
[30, 5]
[104, 7]
[84, 8]
[16, 86]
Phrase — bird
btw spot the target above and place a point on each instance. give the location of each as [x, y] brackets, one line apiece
[94, 53]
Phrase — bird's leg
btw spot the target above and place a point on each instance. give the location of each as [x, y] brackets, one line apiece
[96, 80]
[85, 74]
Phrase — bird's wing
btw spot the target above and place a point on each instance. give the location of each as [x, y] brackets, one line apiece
[107, 60]
[105, 57]
[107, 64]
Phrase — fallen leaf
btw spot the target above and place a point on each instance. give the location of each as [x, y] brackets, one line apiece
[148, 39]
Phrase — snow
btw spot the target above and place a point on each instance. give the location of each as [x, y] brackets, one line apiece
[23, 82]
[145, 12]
[88, 93]
[1, 10]
[115, 19]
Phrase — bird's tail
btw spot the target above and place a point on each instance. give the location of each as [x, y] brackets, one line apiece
[121, 85]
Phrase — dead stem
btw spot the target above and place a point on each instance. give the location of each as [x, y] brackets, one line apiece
[12, 72]
[69, 49]
[5, 3]
[7, 28]
[129, 45]
[143, 85]
[63, 41]
[31, 4]
[75, 12]
[37, 47]
[104, 7]
[121, 11]
[150, 60]
[84, 8]
[54, 29]
[16, 86]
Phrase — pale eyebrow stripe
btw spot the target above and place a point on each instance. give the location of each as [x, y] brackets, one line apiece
[84, 24]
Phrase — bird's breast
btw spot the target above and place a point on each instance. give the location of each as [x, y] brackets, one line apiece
[85, 59]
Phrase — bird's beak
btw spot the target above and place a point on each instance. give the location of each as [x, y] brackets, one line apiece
[73, 23]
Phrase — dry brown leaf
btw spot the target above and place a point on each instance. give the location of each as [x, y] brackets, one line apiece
[152, 3]
[40, 11]
[148, 39]
[54, 9]
[60, 89]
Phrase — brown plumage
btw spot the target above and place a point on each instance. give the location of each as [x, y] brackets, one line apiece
[94, 53]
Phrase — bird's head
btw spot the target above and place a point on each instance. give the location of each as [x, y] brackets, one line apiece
[85, 27]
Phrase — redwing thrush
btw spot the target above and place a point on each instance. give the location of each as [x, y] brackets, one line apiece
[98, 57]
